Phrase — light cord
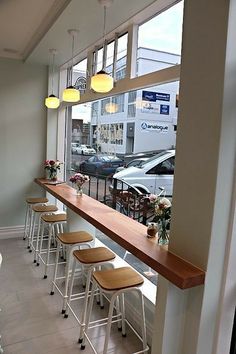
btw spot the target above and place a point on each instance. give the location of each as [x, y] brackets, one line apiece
[53, 59]
[72, 59]
[104, 36]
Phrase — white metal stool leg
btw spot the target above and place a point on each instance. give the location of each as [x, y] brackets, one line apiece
[90, 306]
[67, 271]
[26, 229]
[55, 268]
[31, 228]
[48, 251]
[36, 248]
[40, 245]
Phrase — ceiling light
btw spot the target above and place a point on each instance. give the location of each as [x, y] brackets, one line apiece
[52, 101]
[102, 82]
[71, 94]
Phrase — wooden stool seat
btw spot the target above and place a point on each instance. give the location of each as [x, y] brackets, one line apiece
[36, 200]
[117, 279]
[53, 218]
[94, 255]
[44, 208]
[71, 238]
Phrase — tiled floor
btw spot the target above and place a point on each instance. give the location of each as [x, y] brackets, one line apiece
[30, 321]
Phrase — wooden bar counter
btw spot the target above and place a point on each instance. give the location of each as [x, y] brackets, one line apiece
[129, 234]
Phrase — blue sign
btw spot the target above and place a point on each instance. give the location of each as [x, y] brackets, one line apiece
[164, 109]
[149, 96]
[155, 96]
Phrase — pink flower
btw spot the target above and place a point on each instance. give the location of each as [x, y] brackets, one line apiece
[153, 198]
[79, 179]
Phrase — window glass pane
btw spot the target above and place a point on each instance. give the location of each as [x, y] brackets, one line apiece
[118, 103]
[104, 106]
[121, 57]
[142, 121]
[159, 41]
[110, 58]
[79, 75]
[99, 60]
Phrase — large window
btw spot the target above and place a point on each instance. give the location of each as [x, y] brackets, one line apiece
[135, 120]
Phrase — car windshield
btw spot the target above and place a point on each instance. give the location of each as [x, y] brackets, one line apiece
[109, 158]
[152, 159]
[135, 163]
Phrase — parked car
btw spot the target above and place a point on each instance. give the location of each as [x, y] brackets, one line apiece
[151, 175]
[86, 150]
[135, 162]
[101, 164]
[74, 148]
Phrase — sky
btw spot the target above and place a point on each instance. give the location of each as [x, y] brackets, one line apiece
[163, 32]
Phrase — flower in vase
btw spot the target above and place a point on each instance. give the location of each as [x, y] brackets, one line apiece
[78, 179]
[52, 166]
[162, 215]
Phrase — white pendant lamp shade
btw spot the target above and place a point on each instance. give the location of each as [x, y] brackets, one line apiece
[52, 102]
[102, 82]
[70, 94]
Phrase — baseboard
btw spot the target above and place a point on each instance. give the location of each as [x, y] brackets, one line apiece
[11, 232]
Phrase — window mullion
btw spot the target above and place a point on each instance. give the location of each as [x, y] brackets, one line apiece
[115, 56]
[132, 51]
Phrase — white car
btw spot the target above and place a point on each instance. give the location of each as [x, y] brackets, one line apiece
[86, 150]
[151, 175]
[74, 148]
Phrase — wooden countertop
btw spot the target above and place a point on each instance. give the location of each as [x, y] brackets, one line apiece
[129, 234]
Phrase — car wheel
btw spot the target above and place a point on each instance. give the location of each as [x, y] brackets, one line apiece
[82, 152]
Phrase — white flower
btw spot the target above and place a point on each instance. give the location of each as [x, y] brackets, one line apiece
[165, 203]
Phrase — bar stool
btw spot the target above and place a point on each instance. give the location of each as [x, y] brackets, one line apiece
[30, 202]
[51, 220]
[88, 258]
[37, 212]
[116, 282]
[68, 241]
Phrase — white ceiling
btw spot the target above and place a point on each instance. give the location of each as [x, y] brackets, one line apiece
[24, 22]
[31, 27]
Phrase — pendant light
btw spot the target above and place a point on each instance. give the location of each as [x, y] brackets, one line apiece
[70, 94]
[52, 101]
[102, 82]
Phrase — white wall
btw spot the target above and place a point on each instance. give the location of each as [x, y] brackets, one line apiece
[23, 88]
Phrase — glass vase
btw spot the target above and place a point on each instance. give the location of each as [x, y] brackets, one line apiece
[79, 190]
[163, 236]
[53, 175]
